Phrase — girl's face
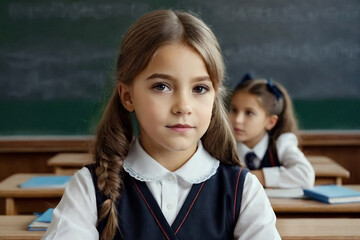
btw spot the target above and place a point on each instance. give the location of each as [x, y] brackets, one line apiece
[173, 98]
[249, 119]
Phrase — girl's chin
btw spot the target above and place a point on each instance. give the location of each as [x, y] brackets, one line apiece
[240, 139]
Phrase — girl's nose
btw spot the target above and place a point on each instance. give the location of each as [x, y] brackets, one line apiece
[182, 104]
[240, 117]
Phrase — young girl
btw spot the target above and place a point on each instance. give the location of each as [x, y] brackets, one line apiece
[265, 128]
[180, 178]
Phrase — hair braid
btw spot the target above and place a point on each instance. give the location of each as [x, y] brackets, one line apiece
[112, 143]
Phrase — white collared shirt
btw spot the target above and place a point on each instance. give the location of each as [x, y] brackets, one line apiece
[296, 171]
[76, 215]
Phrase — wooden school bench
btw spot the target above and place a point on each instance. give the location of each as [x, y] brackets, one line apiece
[305, 207]
[26, 200]
[15, 227]
[327, 171]
[69, 163]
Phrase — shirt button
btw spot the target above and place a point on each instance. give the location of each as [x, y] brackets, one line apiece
[170, 207]
[171, 178]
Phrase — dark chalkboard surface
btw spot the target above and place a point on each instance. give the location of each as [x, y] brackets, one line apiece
[57, 58]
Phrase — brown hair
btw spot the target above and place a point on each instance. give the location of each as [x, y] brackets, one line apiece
[282, 106]
[115, 132]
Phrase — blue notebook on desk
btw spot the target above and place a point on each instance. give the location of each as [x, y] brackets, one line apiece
[42, 222]
[332, 194]
[46, 182]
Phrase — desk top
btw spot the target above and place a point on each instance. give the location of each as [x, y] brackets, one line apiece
[326, 167]
[318, 228]
[70, 160]
[296, 205]
[15, 227]
[317, 159]
[9, 187]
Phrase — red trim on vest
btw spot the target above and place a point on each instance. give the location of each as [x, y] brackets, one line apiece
[187, 213]
[236, 189]
[152, 213]
[271, 158]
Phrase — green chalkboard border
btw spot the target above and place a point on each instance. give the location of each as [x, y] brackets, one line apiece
[80, 117]
[328, 114]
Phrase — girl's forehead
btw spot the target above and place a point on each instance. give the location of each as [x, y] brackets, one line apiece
[173, 50]
[247, 99]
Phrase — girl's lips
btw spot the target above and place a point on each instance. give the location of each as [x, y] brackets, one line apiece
[239, 131]
[180, 127]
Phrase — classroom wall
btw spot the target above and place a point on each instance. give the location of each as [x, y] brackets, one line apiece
[58, 57]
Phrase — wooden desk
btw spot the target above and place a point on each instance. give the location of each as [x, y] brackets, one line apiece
[15, 227]
[22, 200]
[327, 171]
[69, 163]
[319, 228]
[285, 207]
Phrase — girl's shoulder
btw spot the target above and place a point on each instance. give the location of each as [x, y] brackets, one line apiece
[287, 138]
[286, 141]
[232, 172]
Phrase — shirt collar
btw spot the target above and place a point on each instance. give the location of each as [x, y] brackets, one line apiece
[259, 149]
[200, 167]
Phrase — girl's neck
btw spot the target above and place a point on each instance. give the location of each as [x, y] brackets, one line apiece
[253, 142]
[171, 160]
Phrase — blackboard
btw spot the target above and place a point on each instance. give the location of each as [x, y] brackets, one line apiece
[57, 58]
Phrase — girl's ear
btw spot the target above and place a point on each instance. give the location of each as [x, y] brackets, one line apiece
[125, 94]
[272, 120]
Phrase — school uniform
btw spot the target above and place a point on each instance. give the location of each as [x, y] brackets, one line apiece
[287, 167]
[193, 202]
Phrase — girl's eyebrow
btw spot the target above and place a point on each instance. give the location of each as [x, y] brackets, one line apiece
[161, 75]
[168, 77]
[202, 78]
[251, 109]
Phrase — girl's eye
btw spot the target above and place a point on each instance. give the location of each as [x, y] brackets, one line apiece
[233, 110]
[201, 89]
[160, 87]
[249, 113]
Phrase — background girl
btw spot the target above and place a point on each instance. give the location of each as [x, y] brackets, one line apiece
[180, 178]
[265, 128]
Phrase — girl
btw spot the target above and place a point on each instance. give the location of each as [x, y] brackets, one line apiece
[265, 128]
[180, 178]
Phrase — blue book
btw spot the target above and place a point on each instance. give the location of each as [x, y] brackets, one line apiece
[42, 222]
[332, 194]
[46, 182]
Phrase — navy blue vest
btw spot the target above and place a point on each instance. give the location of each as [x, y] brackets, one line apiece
[270, 159]
[210, 211]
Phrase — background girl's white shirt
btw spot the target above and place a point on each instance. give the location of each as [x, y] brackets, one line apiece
[296, 171]
[75, 216]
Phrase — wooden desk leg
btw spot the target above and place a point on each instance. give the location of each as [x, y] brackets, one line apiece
[10, 208]
[338, 181]
[58, 171]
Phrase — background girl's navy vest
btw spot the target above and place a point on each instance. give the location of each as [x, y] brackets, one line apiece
[209, 212]
[270, 159]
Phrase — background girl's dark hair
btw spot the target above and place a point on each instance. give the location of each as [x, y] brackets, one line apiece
[115, 132]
